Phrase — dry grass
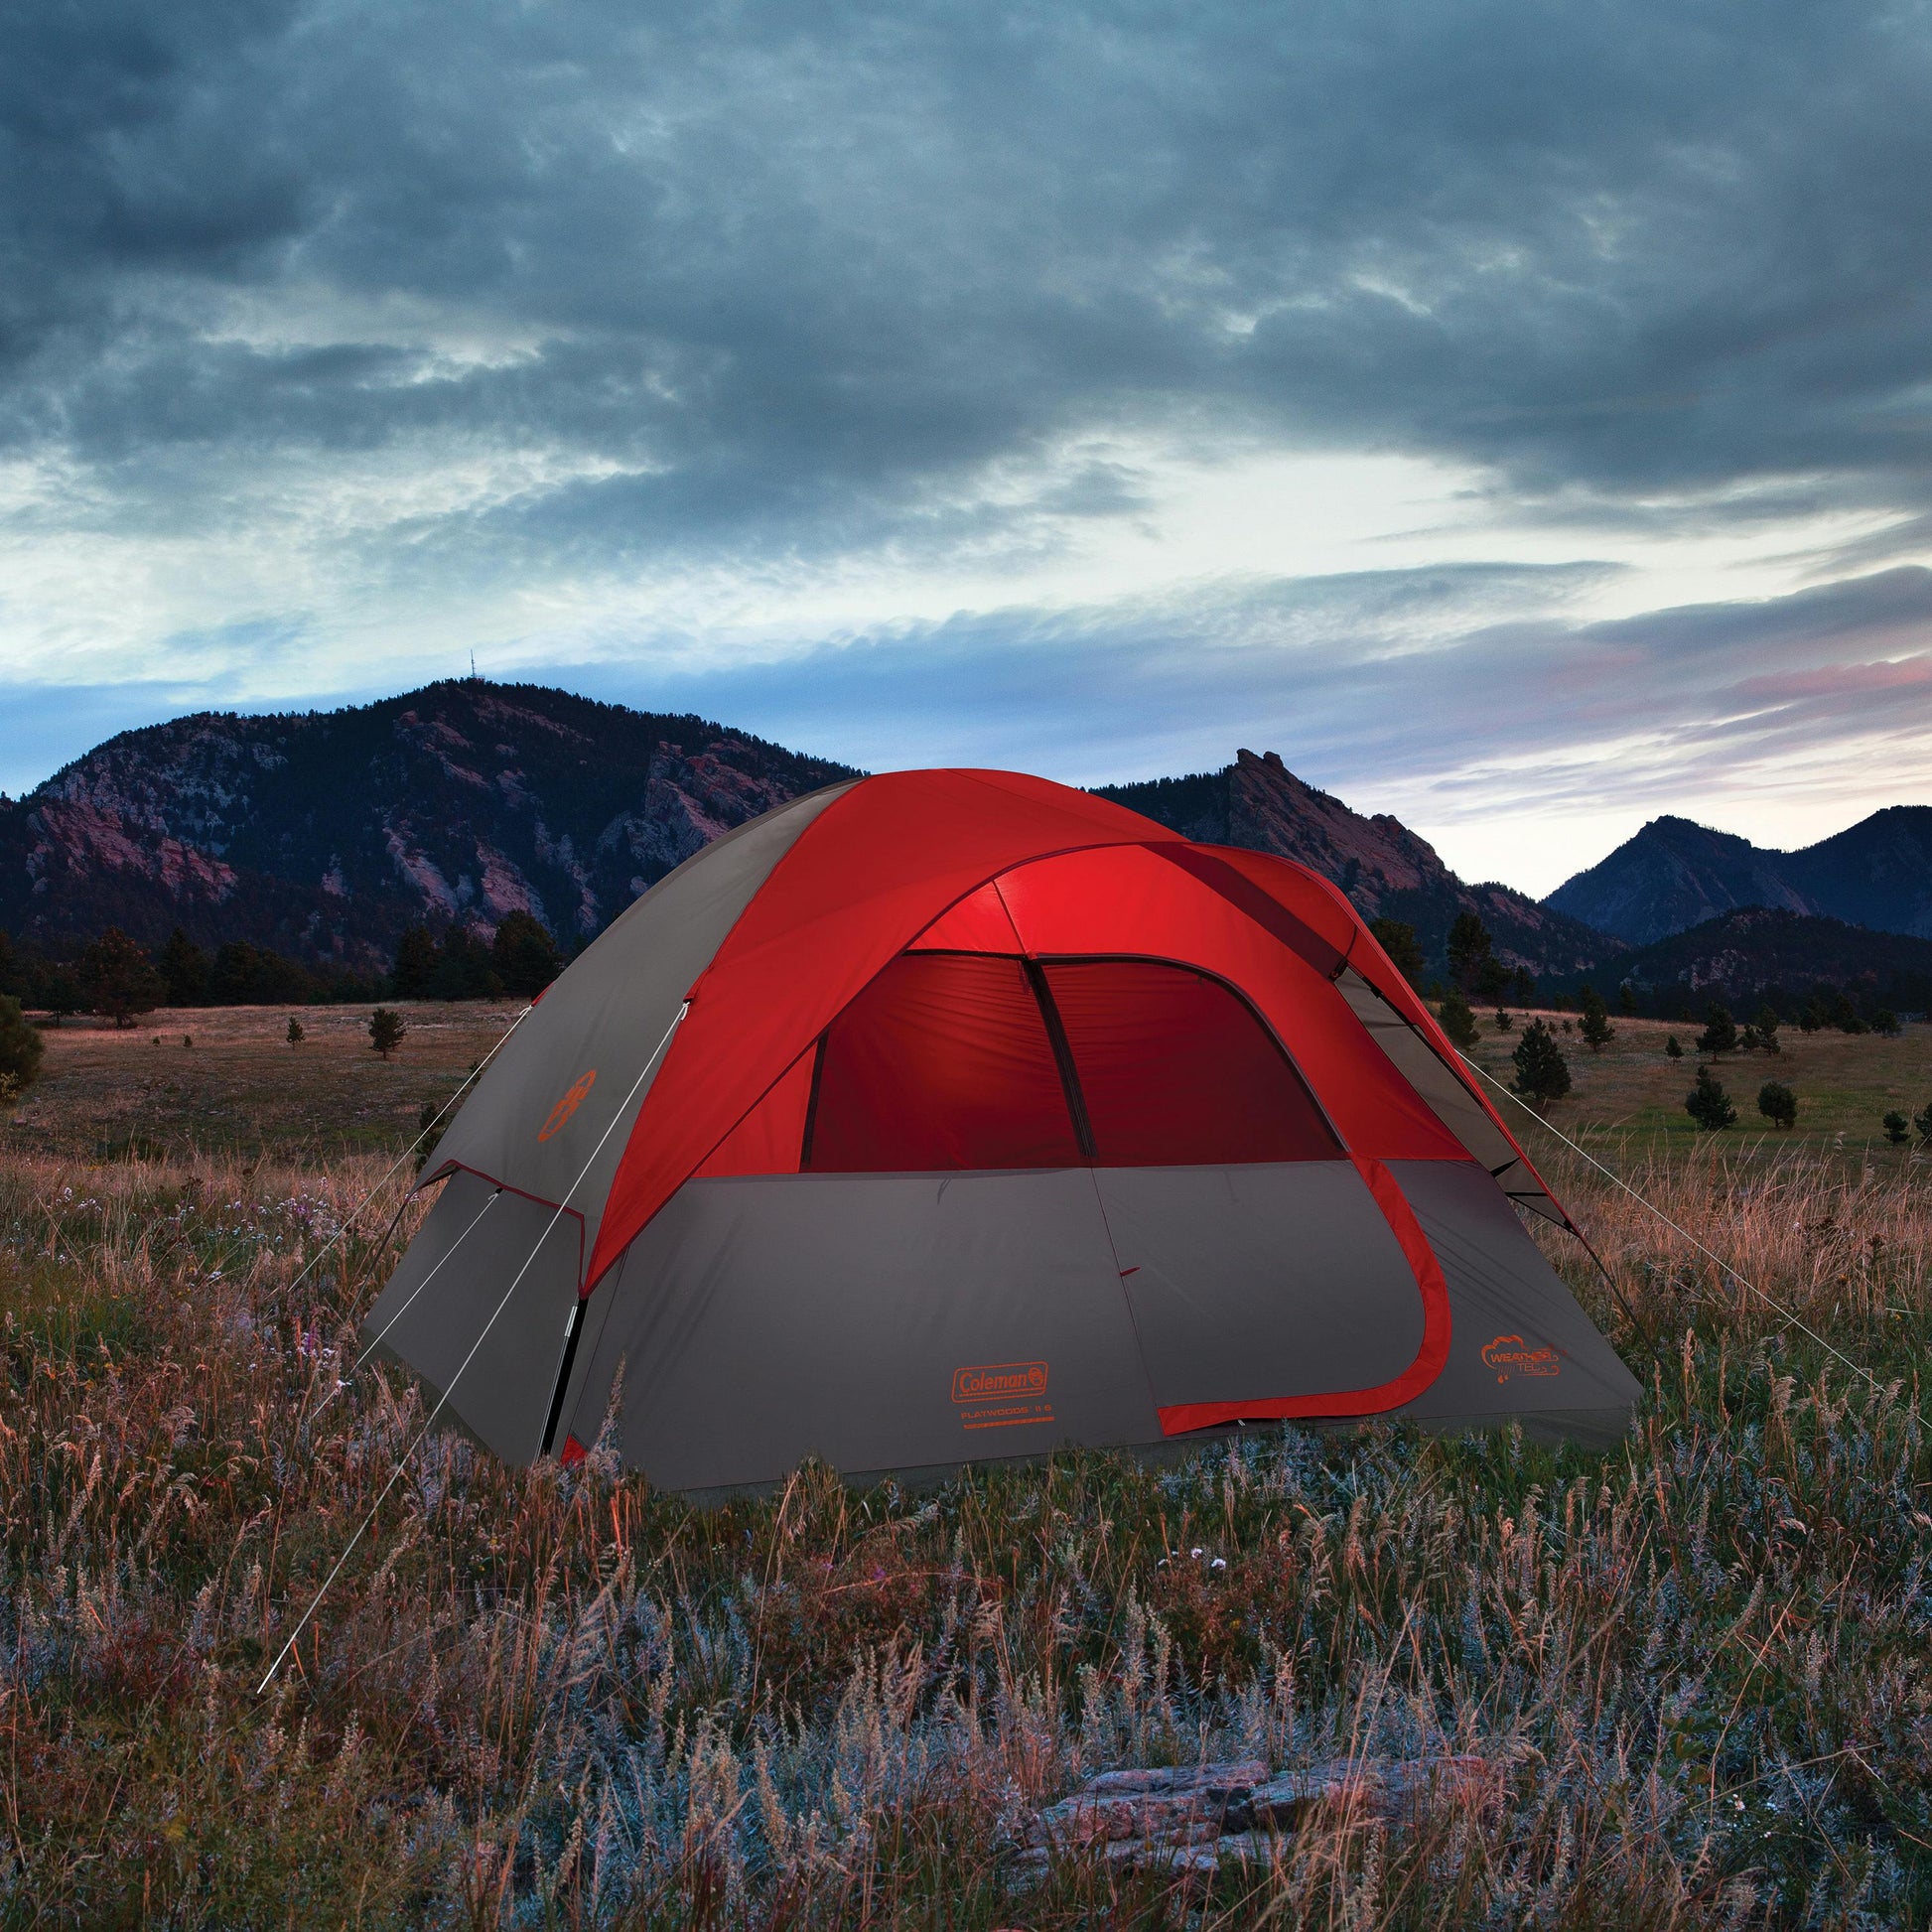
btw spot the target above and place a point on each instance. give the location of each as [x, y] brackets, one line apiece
[541, 1698]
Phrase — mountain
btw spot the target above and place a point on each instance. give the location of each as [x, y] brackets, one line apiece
[1675, 874]
[324, 834]
[1743, 955]
[1384, 867]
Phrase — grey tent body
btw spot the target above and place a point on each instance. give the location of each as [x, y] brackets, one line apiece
[850, 1139]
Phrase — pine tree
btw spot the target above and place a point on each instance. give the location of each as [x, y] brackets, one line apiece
[295, 1033]
[1672, 1047]
[1766, 1024]
[1719, 1034]
[1707, 1104]
[1884, 1023]
[387, 1030]
[1523, 985]
[1458, 1021]
[1626, 999]
[415, 965]
[1923, 1122]
[1596, 1027]
[183, 970]
[1542, 1072]
[1777, 1103]
[1467, 948]
[1504, 1023]
[527, 959]
[117, 978]
[1898, 1130]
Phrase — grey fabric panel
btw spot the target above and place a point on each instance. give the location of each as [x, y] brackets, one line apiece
[1502, 1291]
[1262, 1281]
[438, 1302]
[1445, 1093]
[856, 1317]
[608, 1013]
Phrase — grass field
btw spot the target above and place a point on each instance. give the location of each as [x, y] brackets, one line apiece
[1705, 1659]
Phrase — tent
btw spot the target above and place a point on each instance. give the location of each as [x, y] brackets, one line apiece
[950, 1114]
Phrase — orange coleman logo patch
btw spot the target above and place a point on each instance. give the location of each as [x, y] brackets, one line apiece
[1511, 1355]
[560, 1114]
[1002, 1395]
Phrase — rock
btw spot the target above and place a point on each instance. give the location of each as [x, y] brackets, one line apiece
[1194, 1818]
[1185, 1805]
[1386, 1790]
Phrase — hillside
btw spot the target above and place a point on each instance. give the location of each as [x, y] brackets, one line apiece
[1747, 953]
[1674, 875]
[1385, 869]
[327, 834]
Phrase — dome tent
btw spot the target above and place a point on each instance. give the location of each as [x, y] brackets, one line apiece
[946, 1114]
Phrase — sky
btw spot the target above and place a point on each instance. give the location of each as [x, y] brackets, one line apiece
[1518, 416]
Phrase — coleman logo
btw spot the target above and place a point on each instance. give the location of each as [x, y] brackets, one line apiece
[560, 1114]
[1002, 1381]
[1511, 1355]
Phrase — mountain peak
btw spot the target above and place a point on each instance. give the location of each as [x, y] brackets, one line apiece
[1675, 874]
[1386, 869]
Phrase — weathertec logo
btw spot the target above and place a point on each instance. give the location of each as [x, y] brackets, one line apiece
[561, 1113]
[1511, 1355]
[1002, 1380]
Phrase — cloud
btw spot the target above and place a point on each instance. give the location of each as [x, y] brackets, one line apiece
[334, 337]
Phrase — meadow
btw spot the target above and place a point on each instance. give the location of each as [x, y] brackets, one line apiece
[1701, 1661]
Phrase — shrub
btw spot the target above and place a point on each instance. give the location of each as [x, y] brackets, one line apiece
[21, 1046]
[1777, 1103]
[1707, 1104]
[1885, 1022]
[1595, 1026]
[1542, 1072]
[387, 1030]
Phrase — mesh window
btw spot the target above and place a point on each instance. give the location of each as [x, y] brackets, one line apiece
[942, 1062]
[1176, 1072]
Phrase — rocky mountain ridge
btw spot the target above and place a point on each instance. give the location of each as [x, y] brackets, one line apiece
[326, 834]
[1387, 870]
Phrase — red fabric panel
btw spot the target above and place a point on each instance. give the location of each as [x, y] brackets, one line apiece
[1127, 900]
[769, 1139]
[876, 867]
[1321, 905]
[978, 923]
[1176, 1072]
[942, 1062]
[1429, 1359]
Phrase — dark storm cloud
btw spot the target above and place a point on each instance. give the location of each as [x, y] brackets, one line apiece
[800, 272]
